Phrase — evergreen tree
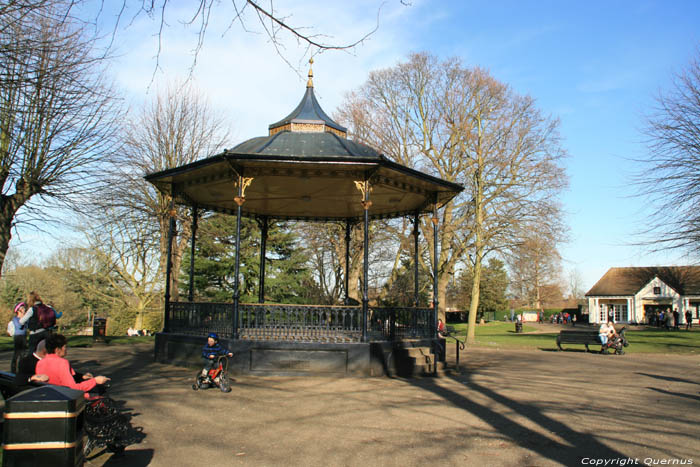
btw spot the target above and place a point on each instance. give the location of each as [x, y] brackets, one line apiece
[401, 291]
[493, 285]
[287, 278]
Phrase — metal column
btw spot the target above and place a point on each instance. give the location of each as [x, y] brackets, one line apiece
[190, 296]
[236, 293]
[416, 233]
[169, 265]
[366, 203]
[347, 262]
[263, 249]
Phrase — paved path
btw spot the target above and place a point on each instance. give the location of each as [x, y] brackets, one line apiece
[505, 408]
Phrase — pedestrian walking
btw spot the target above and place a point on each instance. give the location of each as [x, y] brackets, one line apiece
[18, 331]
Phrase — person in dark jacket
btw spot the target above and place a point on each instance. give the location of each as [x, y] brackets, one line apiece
[688, 320]
[26, 370]
[40, 319]
[676, 319]
[210, 351]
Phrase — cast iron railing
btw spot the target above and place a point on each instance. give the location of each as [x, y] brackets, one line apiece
[393, 323]
[301, 323]
[199, 319]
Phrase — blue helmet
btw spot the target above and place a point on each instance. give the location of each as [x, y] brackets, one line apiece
[214, 336]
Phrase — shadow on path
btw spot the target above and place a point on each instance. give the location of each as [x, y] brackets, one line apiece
[677, 394]
[669, 378]
[131, 458]
[579, 445]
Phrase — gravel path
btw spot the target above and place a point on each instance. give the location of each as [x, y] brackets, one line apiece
[505, 407]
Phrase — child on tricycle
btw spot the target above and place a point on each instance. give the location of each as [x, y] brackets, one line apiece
[215, 365]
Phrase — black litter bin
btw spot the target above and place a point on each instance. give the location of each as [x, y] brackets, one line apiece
[44, 426]
[99, 329]
[518, 326]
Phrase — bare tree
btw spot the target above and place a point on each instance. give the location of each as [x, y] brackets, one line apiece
[57, 113]
[670, 173]
[535, 266]
[127, 253]
[115, 267]
[252, 16]
[176, 128]
[576, 285]
[464, 126]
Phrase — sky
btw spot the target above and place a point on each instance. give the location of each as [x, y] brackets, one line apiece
[596, 66]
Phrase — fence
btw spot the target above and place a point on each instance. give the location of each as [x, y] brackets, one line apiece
[300, 323]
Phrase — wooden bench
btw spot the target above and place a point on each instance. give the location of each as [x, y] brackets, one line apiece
[578, 337]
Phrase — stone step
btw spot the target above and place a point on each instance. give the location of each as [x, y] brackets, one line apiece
[417, 361]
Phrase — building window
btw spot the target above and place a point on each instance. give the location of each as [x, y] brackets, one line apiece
[657, 290]
[618, 312]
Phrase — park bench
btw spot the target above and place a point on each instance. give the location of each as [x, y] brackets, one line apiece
[578, 337]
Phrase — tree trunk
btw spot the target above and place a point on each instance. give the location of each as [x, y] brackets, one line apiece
[9, 205]
[5, 236]
[478, 243]
[442, 295]
[474, 304]
[181, 243]
[138, 323]
[356, 255]
[183, 231]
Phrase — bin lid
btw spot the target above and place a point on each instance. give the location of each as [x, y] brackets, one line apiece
[47, 398]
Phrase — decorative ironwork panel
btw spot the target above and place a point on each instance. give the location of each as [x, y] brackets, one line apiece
[199, 319]
[392, 323]
[300, 323]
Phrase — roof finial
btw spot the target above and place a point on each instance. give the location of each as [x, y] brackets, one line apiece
[310, 82]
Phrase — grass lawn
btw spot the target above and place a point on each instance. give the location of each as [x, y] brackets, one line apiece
[648, 340]
[496, 334]
[84, 341]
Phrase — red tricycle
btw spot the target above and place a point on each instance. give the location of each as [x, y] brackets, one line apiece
[217, 376]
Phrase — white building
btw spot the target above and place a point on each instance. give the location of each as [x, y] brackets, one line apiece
[634, 295]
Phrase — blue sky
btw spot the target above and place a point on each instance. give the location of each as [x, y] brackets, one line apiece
[595, 65]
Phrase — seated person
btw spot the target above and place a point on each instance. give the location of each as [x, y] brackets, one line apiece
[441, 328]
[59, 370]
[210, 351]
[26, 370]
[606, 332]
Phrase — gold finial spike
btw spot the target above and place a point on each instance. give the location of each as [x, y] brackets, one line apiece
[310, 82]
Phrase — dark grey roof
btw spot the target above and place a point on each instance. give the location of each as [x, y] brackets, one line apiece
[309, 111]
[308, 172]
[302, 145]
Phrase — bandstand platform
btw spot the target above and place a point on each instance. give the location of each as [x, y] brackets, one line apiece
[301, 339]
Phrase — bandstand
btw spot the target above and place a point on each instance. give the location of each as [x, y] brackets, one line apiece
[304, 169]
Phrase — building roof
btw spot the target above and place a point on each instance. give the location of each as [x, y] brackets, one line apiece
[628, 281]
[302, 145]
[305, 168]
[308, 112]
